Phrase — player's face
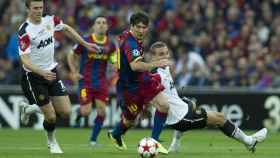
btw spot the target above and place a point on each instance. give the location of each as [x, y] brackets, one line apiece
[100, 26]
[161, 53]
[139, 30]
[35, 11]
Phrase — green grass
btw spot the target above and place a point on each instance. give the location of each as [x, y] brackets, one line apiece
[28, 143]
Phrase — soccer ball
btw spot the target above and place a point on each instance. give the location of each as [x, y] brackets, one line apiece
[148, 148]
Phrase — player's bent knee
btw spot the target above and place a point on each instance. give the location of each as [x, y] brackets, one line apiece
[85, 113]
[216, 119]
[65, 113]
[163, 107]
[50, 118]
[101, 110]
[128, 123]
[101, 113]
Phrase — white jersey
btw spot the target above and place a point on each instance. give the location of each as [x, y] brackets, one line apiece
[177, 107]
[37, 41]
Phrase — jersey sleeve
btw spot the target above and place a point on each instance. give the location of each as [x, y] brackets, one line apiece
[23, 41]
[131, 51]
[113, 57]
[58, 23]
[78, 49]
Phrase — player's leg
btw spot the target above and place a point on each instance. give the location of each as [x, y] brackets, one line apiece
[176, 141]
[98, 122]
[127, 121]
[152, 94]
[162, 107]
[161, 104]
[85, 109]
[177, 135]
[27, 109]
[61, 106]
[49, 125]
[85, 99]
[49, 121]
[229, 129]
[116, 135]
[130, 111]
[59, 98]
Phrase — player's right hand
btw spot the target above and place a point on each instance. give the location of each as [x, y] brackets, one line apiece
[93, 47]
[48, 75]
[163, 63]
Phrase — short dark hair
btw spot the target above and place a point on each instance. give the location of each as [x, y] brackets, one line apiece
[99, 16]
[158, 44]
[139, 17]
[27, 2]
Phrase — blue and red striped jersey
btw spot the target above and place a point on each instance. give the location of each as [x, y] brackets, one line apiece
[130, 49]
[93, 65]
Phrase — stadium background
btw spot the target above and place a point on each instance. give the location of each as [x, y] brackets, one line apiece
[226, 55]
[226, 51]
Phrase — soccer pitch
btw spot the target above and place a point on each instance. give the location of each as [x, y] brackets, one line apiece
[29, 143]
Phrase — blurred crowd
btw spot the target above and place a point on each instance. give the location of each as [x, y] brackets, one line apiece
[213, 42]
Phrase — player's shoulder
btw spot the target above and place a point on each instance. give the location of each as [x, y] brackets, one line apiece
[131, 43]
[48, 18]
[164, 71]
[126, 38]
[23, 28]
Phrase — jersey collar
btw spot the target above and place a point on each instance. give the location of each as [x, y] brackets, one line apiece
[97, 41]
[131, 34]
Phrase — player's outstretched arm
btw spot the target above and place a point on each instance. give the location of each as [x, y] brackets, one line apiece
[138, 65]
[71, 33]
[73, 63]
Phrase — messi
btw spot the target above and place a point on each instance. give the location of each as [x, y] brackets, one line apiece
[44, 43]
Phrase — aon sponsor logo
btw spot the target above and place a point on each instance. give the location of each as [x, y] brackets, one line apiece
[44, 43]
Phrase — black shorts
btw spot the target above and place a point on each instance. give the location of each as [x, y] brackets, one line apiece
[38, 90]
[194, 119]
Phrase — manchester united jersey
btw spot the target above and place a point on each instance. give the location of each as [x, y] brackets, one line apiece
[37, 41]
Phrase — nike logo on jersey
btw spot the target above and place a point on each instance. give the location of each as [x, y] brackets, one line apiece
[34, 38]
[41, 32]
[44, 43]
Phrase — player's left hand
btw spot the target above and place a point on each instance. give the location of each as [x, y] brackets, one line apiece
[93, 47]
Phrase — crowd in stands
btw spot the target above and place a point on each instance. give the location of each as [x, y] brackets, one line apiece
[214, 42]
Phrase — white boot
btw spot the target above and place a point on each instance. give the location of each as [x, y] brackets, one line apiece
[176, 141]
[52, 144]
[26, 110]
[24, 116]
[257, 137]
